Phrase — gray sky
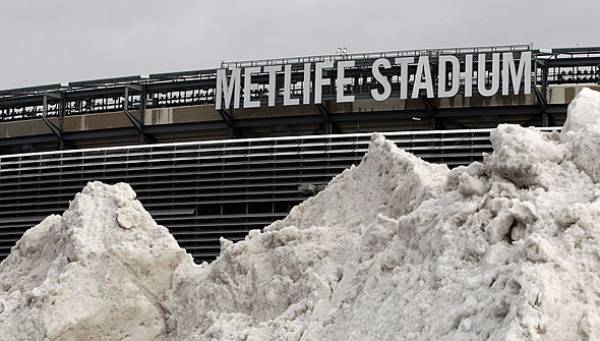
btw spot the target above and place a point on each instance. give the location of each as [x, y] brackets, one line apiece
[51, 41]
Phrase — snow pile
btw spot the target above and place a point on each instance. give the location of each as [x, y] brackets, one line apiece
[393, 249]
[101, 272]
[582, 132]
[276, 284]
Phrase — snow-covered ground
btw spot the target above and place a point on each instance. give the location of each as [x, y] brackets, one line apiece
[393, 249]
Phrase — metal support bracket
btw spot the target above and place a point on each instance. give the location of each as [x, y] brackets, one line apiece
[432, 117]
[230, 122]
[543, 105]
[328, 124]
[57, 131]
[139, 125]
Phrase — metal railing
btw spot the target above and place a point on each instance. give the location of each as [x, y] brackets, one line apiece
[374, 55]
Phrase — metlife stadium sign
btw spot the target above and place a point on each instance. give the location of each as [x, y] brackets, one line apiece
[440, 76]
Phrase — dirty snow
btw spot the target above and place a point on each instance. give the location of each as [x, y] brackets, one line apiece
[393, 249]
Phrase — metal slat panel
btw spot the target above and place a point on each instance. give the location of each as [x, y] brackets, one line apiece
[204, 190]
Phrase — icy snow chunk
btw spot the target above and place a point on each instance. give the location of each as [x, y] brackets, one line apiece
[131, 216]
[537, 248]
[524, 212]
[499, 227]
[582, 132]
[468, 180]
[583, 111]
[519, 153]
[127, 217]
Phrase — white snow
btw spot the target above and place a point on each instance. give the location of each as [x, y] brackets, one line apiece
[83, 277]
[582, 132]
[393, 249]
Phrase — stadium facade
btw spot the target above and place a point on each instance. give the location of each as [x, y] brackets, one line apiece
[217, 152]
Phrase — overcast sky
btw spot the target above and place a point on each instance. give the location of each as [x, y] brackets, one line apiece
[53, 41]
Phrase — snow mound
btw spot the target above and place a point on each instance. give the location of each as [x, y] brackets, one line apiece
[393, 249]
[101, 271]
[389, 181]
[581, 132]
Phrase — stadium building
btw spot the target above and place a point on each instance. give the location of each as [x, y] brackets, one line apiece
[218, 152]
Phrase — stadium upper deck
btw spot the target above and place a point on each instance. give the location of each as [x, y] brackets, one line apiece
[182, 106]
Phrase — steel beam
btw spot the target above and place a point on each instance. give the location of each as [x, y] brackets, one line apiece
[302, 120]
[433, 120]
[37, 139]
[573, 62]
[542, 104]
[231, 123]
[329, 126]
[56, 130]
[137, 123]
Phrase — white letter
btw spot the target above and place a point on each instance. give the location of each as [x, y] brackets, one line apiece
[342, 81]
[481, 60]
[272, 70]
[404, 76]
[423, 70]
[306, 84]
[287, 87]
[231, 90]
[509, 71]
[320, 81]
[469, 75]
[248, 87]
[381, 79]
[443, 73]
